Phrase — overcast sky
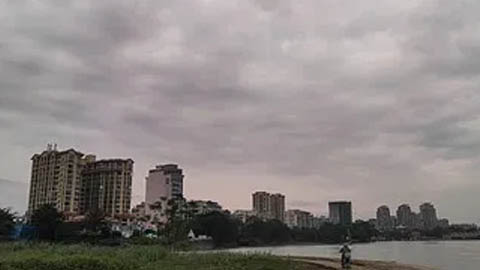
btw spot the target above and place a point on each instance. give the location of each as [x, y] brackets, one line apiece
[377, 102]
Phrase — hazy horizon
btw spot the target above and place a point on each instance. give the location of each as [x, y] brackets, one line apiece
[375, 102]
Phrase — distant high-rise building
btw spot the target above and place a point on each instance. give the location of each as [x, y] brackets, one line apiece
[394, 221]
[164, 182]
[269, 206]
[384, 220]
[107, 186]
[277, 207]
[405, 216]
[417, 221]
[340, 212]
[56, 180]
[428, 215]
[299, 219]
[261, 204]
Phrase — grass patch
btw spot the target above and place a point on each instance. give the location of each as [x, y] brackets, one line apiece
[41, 256]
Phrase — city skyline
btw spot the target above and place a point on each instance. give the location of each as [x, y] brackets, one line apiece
[326, 100]
[167, 181]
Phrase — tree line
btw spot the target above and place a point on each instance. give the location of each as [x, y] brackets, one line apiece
[223, 228]
[182, 217]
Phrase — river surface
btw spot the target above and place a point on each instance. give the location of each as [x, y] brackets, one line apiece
[442, 255]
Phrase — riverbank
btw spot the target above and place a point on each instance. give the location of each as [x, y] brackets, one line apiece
[334, 264]
[41, 256]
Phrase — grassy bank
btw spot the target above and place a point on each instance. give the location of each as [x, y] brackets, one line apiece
[20, 256]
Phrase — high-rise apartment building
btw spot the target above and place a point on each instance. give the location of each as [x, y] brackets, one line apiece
[428, 215]
[340, 212]
[163, 182]
[405, 216]
[56, 180]
[417, 221]
[277, 207]
[107, 186]
[269, 206]
[75, 183]
[261, 204]
[384, 220]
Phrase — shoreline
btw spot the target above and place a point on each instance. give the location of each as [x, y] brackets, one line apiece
[339, 244]
[333, 264]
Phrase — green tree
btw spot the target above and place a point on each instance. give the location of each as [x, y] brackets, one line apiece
[178, 220]
[46, 219]
[176, 216]
[159, 208]
[94, 220]
[219, 225]
[257, 232]
[7, 221]
[332, 233]
[363, 231]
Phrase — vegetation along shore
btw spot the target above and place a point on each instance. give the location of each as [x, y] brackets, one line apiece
[44, 256]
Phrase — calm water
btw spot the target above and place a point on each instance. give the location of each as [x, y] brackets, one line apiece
[442, 255]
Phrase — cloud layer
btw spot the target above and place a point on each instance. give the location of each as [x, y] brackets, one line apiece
[373, 101]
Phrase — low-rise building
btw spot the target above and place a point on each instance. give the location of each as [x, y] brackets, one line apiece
[319, 221]
[244, 215]
[296, 218]
[139, 211]
[204, 207]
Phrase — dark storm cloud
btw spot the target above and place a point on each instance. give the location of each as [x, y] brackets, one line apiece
[373, 101]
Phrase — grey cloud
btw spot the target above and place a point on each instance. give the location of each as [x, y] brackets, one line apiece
[13, 195]
[325, 100]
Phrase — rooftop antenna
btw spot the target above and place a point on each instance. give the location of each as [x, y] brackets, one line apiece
[49, 147]
[55, 147]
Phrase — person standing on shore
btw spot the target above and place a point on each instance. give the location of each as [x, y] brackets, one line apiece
[346, 252]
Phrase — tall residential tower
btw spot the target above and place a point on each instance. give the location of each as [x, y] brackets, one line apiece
[269, 206]
[107, 186]
[384, 220]
[340, 212]
[428, 215]
[74, 183]
[164, 182]
[56, 180]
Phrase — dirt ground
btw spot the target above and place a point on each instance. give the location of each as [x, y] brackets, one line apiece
[334, 264]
